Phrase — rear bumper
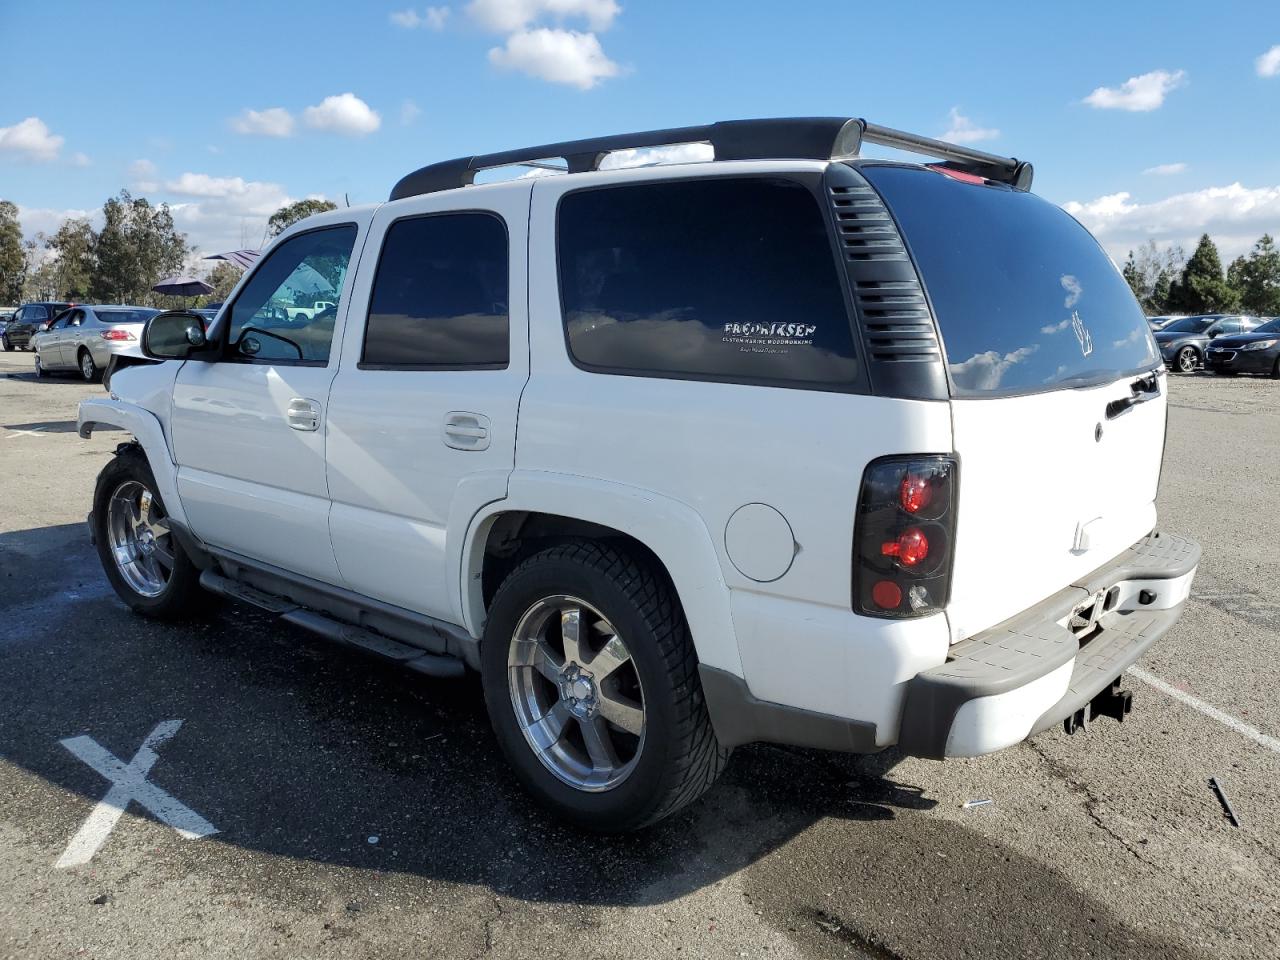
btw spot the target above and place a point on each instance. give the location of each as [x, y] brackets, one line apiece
[1032, 671]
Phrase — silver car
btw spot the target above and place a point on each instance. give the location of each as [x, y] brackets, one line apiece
[84, 338]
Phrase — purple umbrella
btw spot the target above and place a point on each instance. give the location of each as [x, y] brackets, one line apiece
[243, 259]
[182, 287]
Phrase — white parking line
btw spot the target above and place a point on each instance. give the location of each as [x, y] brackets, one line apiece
[26, 433]
[1208, 709]
[128, 783]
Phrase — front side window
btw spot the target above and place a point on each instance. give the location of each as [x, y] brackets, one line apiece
[287, 310]
[721, 279]
[439, 297]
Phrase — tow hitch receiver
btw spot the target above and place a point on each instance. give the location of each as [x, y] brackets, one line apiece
[1112, 702]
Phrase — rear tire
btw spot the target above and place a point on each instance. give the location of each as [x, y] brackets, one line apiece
[88, 369]
[544, 684]
[142, 558]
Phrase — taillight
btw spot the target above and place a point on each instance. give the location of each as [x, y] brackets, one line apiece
[903, 536]
[117, 335]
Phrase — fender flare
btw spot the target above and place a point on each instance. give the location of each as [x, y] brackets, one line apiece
[674, 532]
[146, 429]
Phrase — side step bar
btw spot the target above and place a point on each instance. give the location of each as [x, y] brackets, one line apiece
[402, 654]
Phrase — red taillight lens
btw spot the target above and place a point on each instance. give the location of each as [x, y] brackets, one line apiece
[903, 536]
[916, 493]
[117, 335]
[910, 548]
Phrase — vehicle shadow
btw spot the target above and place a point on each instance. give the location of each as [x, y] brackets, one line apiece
[50, 426]
[300, 750]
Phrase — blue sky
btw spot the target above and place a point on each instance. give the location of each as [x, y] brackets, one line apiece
[348, 97]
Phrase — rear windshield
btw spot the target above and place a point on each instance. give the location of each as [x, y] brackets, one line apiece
[125, 316]
[1026, 300]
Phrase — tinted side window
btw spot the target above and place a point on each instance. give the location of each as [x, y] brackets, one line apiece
[440, 294]
[287, 310]
[726, 279]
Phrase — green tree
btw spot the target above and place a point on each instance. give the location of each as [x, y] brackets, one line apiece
[136, 248]
[14, 261]
[1202, 287]
[73, 247]
[1150, 273]
[1256, 278]
[223, 279]
[288, 215]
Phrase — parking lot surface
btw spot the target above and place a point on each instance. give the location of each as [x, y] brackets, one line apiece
[363, 812]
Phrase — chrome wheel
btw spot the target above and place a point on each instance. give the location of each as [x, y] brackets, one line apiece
[140, 539]
[1186, 360]
[39, 366]
[87, 368]
[576, 693]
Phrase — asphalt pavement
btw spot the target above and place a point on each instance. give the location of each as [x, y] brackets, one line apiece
[362, 812]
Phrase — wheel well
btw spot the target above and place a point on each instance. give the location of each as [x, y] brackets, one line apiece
[518, 533]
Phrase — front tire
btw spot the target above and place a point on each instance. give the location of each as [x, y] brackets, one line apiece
[1187, 360]
[88, 369]
[41, 372]
[591, 682]
[142, 558]
[8, 347]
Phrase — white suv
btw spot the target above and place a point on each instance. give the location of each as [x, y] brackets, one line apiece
[790, 446]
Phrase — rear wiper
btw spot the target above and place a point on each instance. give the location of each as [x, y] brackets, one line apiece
[1140, 391]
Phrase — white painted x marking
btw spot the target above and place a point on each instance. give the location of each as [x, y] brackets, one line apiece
[128, 783]
[37, 432]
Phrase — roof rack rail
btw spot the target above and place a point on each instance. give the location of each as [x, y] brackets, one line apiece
[782, 138]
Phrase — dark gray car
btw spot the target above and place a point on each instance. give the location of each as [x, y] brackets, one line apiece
[1183, 342]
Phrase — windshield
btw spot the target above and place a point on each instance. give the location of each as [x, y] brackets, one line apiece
[126, 316]
[1190, 325]
[1025, 299]
[1271, 326]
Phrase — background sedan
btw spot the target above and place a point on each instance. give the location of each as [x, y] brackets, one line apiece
[85, 337]
[1255, 352]
[1183, 342]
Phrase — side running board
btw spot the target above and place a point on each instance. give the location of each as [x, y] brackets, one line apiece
[345, 634]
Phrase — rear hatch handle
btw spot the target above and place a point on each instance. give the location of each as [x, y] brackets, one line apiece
[1140, 391]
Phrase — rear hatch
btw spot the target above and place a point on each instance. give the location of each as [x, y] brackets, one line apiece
[1058, 395]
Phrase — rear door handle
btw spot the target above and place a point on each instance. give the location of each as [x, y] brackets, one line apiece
[466, 431]
[304, 414]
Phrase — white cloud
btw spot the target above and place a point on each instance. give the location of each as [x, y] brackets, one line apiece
[964, 130]
[45, 220]
[1139, 94]
[31, 139]
[510, 16]
[649, 156]
[984, 371]
[272, 122]
[557, 56]
[1165, 170]
[409, 112]
[1269, 63]
[143, 175]
[1235, 216]
[80, 160]
[433, 18]
[345, 113]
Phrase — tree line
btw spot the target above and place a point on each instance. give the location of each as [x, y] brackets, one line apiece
[1167, 282]
[136, 247]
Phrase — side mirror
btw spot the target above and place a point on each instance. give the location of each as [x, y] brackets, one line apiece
[176, 335]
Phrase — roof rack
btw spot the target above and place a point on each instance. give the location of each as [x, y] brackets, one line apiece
[783, 138]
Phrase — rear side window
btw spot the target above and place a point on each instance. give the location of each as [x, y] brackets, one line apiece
[440, 295]
[1025, 299]
[719, 279]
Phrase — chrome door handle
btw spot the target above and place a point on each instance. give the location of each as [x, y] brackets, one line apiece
[466, 431]
[304, 414]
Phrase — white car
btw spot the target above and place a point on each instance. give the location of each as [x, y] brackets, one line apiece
[789, 446]
[84, 339]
